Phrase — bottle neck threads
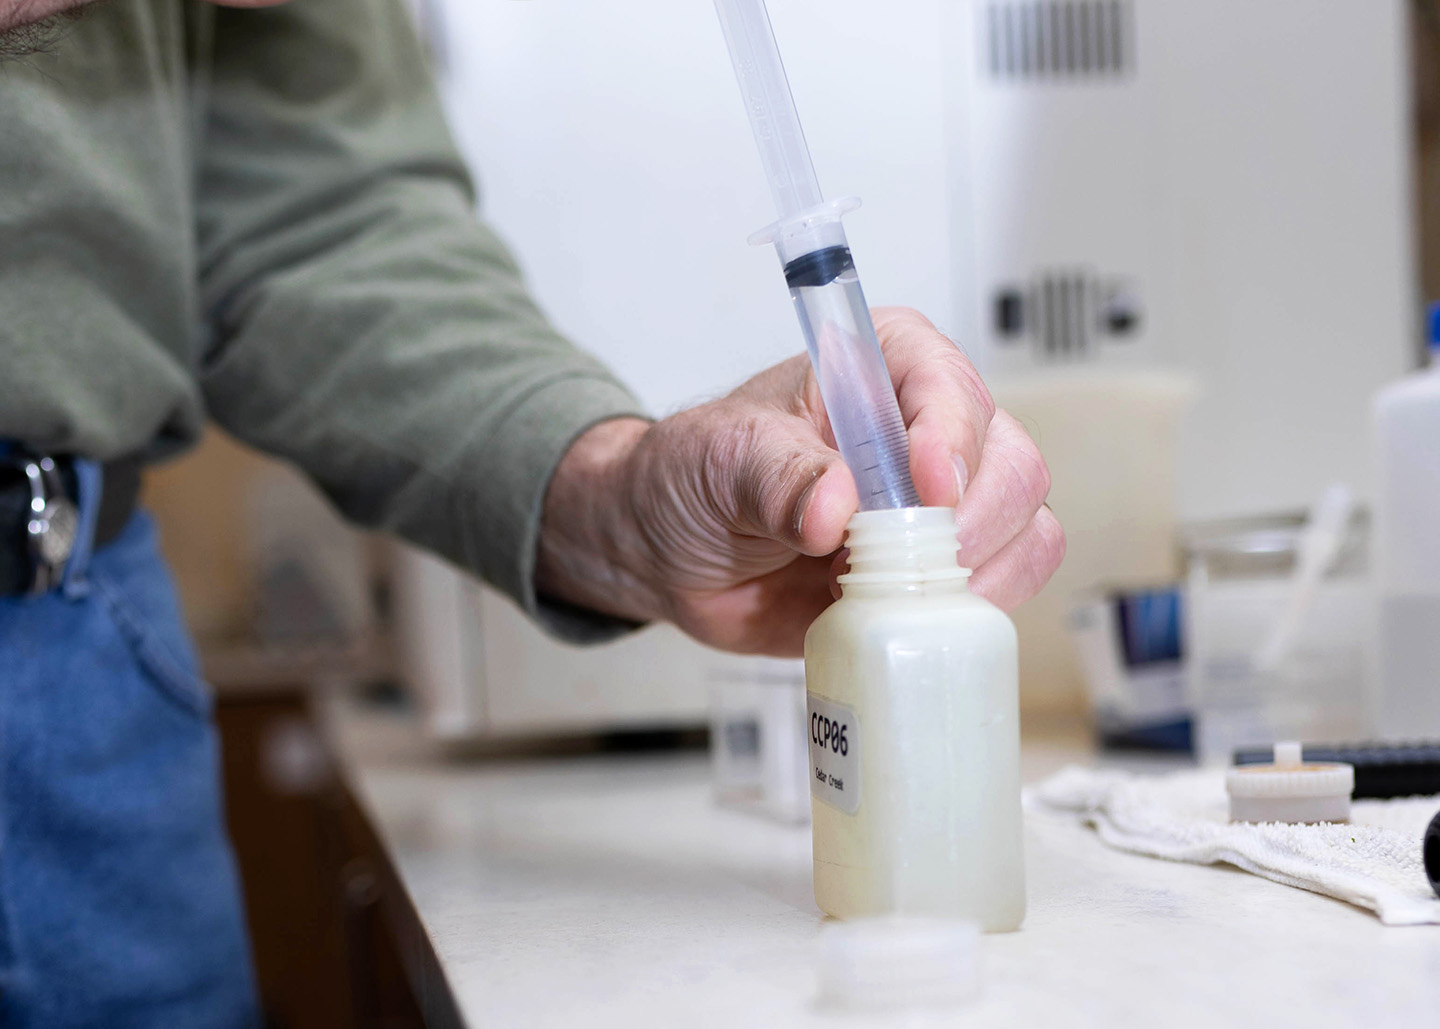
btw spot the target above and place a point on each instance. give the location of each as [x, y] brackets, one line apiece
[903, 550]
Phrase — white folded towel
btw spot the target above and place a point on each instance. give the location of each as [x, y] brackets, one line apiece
[1374, 861]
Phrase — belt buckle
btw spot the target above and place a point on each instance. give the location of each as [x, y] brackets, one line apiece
[52, 523]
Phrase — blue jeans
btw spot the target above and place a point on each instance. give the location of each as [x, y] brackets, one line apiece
[119, 899]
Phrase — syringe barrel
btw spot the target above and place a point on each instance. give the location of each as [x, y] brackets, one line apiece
[854, 382]
[859, 398]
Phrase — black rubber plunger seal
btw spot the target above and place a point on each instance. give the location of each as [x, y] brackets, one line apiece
[818, 267]
[1430, 854]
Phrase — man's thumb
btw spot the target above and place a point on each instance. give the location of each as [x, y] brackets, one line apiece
[790, 487]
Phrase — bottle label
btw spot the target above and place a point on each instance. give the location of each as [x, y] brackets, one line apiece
[834, 754]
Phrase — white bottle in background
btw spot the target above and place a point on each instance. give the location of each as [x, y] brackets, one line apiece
[1407, 551]
[913, 702]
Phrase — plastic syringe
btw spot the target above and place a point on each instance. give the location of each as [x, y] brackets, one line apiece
[854, 383]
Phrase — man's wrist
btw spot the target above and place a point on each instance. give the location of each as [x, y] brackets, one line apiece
[591, 552]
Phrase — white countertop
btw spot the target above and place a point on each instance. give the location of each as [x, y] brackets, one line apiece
[609, 890]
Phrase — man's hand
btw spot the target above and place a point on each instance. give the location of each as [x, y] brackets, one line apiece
[727, 519]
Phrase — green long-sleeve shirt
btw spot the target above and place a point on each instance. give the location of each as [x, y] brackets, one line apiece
[259, 216]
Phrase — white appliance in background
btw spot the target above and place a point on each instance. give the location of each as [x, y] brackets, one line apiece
[484, 671]
[1219, 187]
[1210, 187]
[759, 732]
[1216, 190]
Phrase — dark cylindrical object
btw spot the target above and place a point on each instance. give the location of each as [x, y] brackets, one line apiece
[1431, 854]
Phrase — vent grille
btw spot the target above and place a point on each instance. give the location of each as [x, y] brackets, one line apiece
[1066, 312]
[1058, 39]
[1062, 308]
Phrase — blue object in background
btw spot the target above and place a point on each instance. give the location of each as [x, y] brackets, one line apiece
[1149, 626]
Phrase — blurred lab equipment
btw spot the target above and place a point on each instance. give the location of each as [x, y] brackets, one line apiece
[482, 671]
[1290, 789]
[1148, 186]
[276, 588]
[1407, 551]
[1382, 770]
[758, 759]
[824, 286]
[1240, 583]
[1318, 546]
[310, 570]
[1109, 436]
[1131, 649]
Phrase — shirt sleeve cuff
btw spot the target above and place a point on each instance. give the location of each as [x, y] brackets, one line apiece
[537, 432]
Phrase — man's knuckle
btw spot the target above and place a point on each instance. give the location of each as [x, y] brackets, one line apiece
[1040, 472]
[1053, 543]
[891, 315]
[945, 382]
[1028, 465]
[969, 380]
[958, 376]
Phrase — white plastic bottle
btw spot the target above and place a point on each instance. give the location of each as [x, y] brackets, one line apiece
[913, 701]
[1407, 551]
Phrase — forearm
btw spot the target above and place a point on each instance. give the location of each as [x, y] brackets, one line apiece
[591, 552]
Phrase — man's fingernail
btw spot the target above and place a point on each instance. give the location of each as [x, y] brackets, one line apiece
[962, 476]
[802, 503]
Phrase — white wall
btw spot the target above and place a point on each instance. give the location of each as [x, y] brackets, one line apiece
[614, 155]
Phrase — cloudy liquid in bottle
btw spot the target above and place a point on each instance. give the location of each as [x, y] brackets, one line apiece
[913, 698]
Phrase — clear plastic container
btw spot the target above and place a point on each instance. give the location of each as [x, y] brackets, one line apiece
[1407, 536]
[1239, 580]
[913, 705]
[757, 739]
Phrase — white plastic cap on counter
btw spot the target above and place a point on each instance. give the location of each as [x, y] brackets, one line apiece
[1290, 790]
[873, 963]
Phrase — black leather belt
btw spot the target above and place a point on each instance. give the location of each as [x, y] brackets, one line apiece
[39, 502]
